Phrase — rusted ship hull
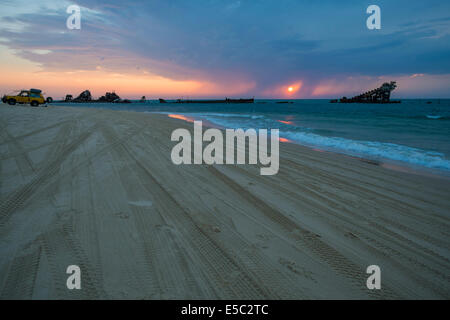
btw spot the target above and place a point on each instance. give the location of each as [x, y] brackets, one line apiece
[380, 95]
[342, 100]
[252, 100]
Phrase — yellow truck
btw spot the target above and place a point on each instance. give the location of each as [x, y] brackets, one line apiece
[33, 97]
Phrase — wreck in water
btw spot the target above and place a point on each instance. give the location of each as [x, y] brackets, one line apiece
[86, 97]
[379, 95]
[227, 100]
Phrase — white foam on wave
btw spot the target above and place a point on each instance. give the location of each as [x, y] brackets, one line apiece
[369, 149]
[425, 158]
[430, 116]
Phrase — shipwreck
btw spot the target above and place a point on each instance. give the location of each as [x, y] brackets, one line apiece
[85, 96]
[226, 100]
[378, 95]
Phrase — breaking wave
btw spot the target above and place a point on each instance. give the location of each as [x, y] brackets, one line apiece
[306, 136]
[429, 159]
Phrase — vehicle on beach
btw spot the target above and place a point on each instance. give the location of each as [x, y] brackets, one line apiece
[33, 97]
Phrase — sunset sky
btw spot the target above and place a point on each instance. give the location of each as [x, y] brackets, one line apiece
[213, 48]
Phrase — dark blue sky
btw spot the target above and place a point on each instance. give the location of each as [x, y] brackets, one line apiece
[252, 47]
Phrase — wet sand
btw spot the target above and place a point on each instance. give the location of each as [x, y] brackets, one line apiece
[97, 189]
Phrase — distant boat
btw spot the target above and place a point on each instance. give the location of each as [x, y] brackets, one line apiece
[227, 100]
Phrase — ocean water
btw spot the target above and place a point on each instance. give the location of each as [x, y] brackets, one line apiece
[414, 133]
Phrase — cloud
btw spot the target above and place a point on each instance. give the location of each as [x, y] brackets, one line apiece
[266, 43]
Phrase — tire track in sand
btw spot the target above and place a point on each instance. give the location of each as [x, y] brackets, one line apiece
[62, 249]
[36, 131]
[19, 283]
[307, 239]
[329, 205]
[24, 163]
[170, 272]
[19, 197]
[228, 274]
[412, 253]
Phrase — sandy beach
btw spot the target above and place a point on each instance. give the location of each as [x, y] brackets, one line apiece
[97, 188]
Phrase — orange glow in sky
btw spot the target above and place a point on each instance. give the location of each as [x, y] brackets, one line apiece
[23, 74]
[294, 88]
[58, 84]
[284, 91]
